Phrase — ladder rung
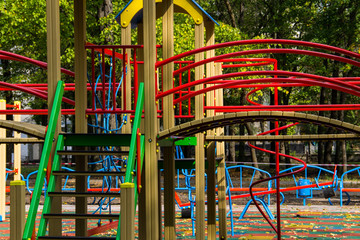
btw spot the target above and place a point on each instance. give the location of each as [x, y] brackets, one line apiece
[88, 139]
[83, 194]
[89, 152]
[85, 173]
[73, 237]
[80, 216]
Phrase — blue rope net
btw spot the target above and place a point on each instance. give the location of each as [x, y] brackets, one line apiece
[104, 123]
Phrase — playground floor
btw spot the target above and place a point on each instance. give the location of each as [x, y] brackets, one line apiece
[298, 222]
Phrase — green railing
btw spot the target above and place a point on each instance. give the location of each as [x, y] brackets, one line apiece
[51, 187]
[30, 222]
[136, 124]
[133, 146]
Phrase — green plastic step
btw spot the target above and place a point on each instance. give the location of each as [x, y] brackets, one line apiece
[90, 152]
[95, 140]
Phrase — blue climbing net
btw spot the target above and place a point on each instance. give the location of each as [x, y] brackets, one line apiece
[104, 123]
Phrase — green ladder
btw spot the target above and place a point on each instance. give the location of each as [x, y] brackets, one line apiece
[81, 143]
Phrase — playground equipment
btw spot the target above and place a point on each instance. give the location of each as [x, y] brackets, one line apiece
[79, 141]
[218, 121]
[160, 95]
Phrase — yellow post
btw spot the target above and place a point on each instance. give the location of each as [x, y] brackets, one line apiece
[127, 211]
[141, 201]
[211, 200]
[221, 166]
[17, 209]
[126, 40]
[17, 146]
[150, 123]
[54, 75]
[199, 149]
[80, 108]
[168, 120]
[210, 71]
[140, 57]
[2, 165]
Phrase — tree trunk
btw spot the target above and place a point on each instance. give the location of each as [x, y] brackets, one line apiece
[242, 128]
[284, 99]
[343, 156]
[321, 129]
[104, 10]
[333, 115]
[272, 126]
[231, 13]
[253, 151]
[232, 151]
[8, 98]
[242, 144]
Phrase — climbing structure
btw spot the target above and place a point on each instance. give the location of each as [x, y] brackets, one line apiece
[128, 77]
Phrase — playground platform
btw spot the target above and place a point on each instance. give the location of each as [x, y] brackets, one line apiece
[299, 222]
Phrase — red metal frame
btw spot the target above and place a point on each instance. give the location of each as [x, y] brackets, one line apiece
[268, 51]
[314, 80]
[138, 163]
[260, 41]
[184, 92]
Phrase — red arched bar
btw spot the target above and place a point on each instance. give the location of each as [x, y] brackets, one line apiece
[260, 41]
[272, 50]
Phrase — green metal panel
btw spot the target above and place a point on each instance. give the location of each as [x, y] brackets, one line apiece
[51, 188]
[170, 141]
[188, 141]
[30, 223]
[97, 139]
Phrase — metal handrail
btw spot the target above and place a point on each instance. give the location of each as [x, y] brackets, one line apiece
[133, 146]
[53, 121]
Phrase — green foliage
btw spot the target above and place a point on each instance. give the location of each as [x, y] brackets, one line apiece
[184, 33]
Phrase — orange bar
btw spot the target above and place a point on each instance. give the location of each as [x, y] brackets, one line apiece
[247, 189]
[351, 189]
[177, 198]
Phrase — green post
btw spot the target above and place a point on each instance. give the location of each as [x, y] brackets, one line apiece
[17, 209]
[136, 125]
